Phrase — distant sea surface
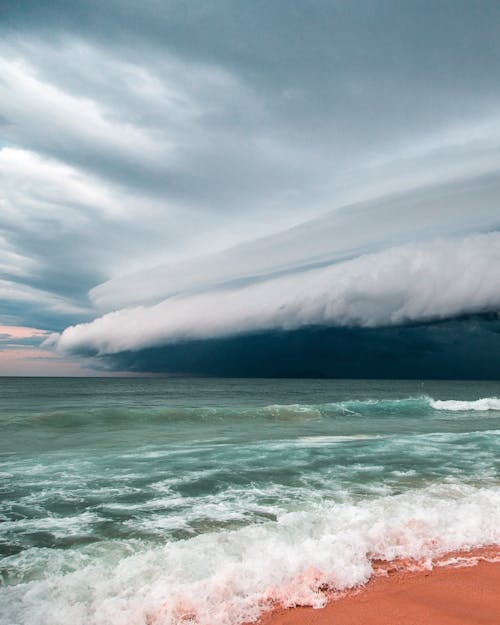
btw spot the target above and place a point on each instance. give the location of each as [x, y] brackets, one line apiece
[205, 501]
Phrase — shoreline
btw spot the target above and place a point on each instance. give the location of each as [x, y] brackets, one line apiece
[459, 588]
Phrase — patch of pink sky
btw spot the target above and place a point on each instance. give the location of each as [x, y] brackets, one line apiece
[27, 360]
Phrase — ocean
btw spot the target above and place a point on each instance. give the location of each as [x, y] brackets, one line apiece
[161, 501]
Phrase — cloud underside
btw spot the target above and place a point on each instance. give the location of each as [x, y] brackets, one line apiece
[466, 348]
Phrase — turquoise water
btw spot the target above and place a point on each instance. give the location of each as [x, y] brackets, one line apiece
[125, 500]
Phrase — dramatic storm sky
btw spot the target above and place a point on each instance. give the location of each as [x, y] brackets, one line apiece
[250, 188]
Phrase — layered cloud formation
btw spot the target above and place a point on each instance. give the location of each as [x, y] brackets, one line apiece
[174, 174]
[409, 283]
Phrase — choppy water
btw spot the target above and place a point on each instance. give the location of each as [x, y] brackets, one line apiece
[166, 501]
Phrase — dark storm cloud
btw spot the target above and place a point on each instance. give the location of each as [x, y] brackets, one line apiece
[201, 151]
[463, 348]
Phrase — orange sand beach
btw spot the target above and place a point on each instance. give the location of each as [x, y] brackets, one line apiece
[466, 592]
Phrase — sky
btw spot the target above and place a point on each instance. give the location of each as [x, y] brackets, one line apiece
[250, 188]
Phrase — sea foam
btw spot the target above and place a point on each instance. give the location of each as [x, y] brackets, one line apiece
[484, 404]
[230, 576]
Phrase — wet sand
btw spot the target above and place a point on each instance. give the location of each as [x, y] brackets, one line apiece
[446, 595]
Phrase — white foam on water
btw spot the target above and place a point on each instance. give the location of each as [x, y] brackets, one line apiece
[229, 577]
[292, 412]
[318, 441]
[59, 527]
[453, 405]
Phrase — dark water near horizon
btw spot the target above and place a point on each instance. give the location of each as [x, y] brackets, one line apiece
[167, 500]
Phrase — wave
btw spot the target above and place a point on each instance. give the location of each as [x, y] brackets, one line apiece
[230, 576]
[408, 406]
[453, 405]
[422, 402]
[364, 406]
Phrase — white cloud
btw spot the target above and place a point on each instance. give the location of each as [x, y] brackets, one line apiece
[340, 234]
[47, 116]
[413, 282]
[37, 188]
[45, 300]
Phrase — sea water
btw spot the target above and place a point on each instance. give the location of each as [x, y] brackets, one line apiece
[167, 501]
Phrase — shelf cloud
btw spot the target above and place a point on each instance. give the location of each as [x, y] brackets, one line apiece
[172, 174]
[410, 283]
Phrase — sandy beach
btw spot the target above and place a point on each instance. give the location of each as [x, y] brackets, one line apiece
[467, 594]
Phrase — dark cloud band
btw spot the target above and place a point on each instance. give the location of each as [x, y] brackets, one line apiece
[467, 348]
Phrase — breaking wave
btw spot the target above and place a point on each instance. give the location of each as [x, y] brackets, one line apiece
[453, 405]
[231, 577]
[282, 412]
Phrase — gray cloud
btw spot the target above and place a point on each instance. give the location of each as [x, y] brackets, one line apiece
[179, 156]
